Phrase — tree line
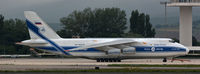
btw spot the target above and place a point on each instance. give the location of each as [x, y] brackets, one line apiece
[87, 23]
[12, 31]
[106, 22]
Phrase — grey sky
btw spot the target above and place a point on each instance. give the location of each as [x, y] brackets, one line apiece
[53, 10]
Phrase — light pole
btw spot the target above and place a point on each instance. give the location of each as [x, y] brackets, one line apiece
[165, 4]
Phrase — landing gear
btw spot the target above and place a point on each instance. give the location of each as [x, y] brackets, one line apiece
[118, 60]
[98, 60]
[165, 60]
[102, 60]
[108, 60]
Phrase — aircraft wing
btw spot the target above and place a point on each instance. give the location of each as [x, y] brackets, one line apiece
[104, 44]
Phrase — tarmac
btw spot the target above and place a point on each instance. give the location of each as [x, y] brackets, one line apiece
[22, 64]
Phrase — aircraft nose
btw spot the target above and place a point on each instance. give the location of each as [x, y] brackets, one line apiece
[187, 50]
[184, 47]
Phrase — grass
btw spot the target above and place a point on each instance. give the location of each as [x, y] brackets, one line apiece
[144, 65]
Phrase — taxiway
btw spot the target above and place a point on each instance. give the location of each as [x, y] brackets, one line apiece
[18, 64]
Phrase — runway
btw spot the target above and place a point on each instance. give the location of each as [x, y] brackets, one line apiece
[81, 61]
[21, 64]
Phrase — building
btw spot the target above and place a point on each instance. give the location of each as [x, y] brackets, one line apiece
[185, 33]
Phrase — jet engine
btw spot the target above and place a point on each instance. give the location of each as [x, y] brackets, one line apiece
[129, 50]
[114, 51]
[126, 49]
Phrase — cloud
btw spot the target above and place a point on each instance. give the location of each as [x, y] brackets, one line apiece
[15, 8]
[53, 10]
[21, 3]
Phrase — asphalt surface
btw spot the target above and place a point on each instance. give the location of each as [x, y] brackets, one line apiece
[23, 64]
[100, 73]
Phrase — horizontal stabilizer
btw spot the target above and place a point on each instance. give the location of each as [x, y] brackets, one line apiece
[29, 43]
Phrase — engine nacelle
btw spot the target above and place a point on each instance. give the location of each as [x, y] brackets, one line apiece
[129, 50]
[114, 52]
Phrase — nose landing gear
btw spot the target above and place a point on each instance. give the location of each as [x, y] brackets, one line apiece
[165, 60]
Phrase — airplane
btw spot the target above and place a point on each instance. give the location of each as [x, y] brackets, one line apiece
[100, 49]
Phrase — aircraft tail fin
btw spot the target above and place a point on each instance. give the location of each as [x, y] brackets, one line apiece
[42, 28]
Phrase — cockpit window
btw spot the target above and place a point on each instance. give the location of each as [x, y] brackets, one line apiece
[171, 41]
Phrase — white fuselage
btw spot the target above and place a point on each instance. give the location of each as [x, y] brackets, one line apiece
[145, 47]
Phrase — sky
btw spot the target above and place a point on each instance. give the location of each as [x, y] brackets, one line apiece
[52, 10]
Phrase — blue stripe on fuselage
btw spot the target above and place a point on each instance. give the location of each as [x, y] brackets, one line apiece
[138, 49]
[35, 29]
[159, 49]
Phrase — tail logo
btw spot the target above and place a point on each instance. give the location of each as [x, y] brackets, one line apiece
[42, 29]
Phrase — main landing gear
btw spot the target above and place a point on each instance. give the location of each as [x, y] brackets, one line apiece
[108, 60]
[165, 60]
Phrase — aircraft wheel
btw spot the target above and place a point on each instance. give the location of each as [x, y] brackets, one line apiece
[110, 60]
[98, 60]
[114, 60]
[106, 60]
[118, 60]
[165, 60]
[102, 60]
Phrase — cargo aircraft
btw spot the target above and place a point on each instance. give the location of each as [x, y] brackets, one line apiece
[99, 49]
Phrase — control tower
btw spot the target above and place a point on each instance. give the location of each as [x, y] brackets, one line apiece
[185, 32]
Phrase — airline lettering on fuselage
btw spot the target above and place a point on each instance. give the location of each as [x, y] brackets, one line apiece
[159, 49]
[175, 48]
[153, 49]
